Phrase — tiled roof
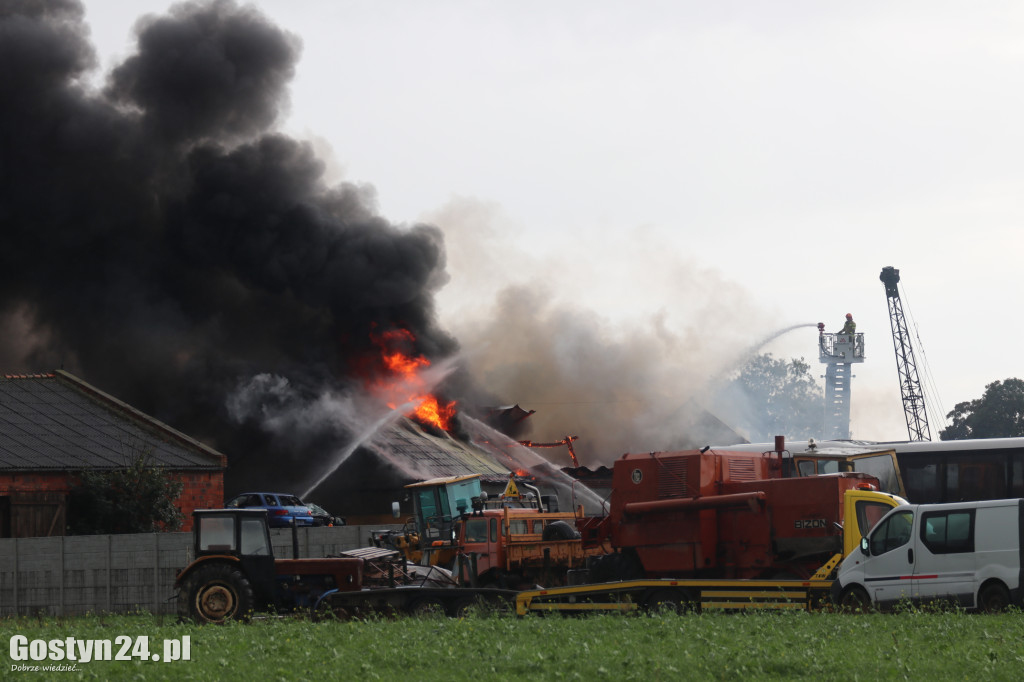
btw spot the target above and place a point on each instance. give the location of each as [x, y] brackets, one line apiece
[57, 421]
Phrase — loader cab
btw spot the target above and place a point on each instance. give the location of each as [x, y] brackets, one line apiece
[437, 504]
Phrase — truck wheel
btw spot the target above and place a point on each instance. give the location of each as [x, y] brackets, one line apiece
[855, 598]
[326, 611]
[465, 606]
[427, 606]
[669, 601]
[993, 598]
[559, 530]
[215, 594]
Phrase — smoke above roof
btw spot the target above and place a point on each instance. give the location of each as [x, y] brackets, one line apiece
[166, 243]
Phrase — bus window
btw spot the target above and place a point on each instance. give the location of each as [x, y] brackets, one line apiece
[979, 478]
[922, 481]
[1017, 477]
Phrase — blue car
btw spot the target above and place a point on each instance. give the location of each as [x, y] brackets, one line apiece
[282, 509]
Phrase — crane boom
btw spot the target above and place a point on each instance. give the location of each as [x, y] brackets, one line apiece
[906, 366]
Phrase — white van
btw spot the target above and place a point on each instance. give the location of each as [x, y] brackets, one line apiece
[967, 553]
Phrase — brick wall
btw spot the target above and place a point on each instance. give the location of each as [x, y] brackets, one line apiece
[35, 481]
[202, 490]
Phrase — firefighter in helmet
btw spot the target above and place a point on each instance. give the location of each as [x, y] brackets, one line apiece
[850, 327]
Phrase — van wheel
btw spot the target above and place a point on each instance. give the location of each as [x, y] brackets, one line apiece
[855, 598]
[993, 598]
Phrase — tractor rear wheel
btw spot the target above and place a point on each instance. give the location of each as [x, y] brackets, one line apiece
[216, 593]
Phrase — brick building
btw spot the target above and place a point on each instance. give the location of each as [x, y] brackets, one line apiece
[54, 426]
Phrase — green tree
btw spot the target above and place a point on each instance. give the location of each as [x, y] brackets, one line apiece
[771, 397]
[135, 498]
[998, 413]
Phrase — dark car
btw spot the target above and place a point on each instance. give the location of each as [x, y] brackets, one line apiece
[282, 509]
[322, 517]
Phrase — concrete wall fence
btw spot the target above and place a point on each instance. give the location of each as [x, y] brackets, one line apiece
[73, 575]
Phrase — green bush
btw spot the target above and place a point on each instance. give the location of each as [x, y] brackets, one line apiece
[135, 498]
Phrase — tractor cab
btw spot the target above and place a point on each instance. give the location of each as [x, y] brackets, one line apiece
[238, 535]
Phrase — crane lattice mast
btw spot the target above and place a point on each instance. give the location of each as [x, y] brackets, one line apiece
[906, 366]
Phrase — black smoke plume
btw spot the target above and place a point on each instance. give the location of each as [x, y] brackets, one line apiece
[164, 242]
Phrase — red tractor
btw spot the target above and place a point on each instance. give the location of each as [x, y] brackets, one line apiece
[235, 572]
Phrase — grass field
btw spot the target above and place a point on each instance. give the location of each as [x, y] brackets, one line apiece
[787, 646]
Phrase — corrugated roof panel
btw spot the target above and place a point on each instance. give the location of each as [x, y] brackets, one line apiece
[431, 456]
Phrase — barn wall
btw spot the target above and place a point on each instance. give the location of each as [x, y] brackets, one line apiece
[34, 504]
[203, 490]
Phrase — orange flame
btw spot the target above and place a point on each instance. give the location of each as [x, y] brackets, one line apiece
[410, 386]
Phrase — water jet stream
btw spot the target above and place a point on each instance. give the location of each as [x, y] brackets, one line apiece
[431, 377]
[521, 457]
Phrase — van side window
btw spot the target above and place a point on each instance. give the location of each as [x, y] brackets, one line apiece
[948, 532]
[891, 533]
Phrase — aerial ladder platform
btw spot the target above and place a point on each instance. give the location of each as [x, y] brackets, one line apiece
[839, 352]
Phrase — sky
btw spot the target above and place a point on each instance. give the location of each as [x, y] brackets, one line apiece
[682, 179]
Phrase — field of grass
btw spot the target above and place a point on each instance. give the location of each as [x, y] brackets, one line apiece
[787, 646]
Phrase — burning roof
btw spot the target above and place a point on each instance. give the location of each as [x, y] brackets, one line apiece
[422, 455]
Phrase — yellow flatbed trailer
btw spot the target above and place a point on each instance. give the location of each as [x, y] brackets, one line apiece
[678, 595]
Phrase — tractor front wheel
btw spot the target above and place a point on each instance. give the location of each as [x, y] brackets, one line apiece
[215, 594]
